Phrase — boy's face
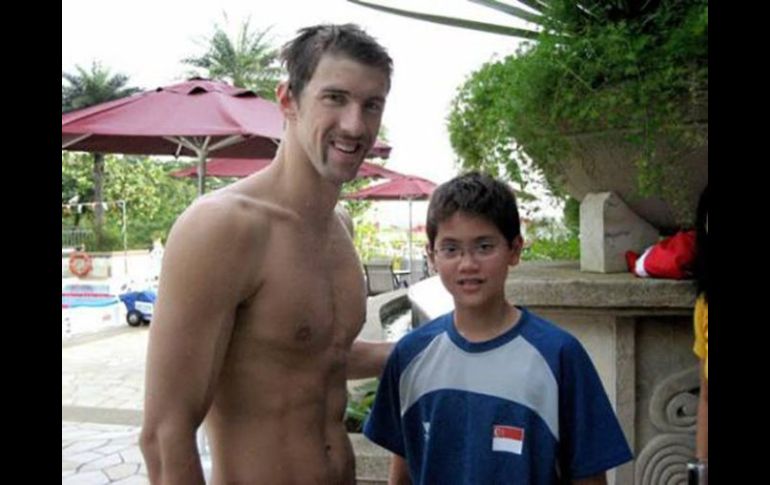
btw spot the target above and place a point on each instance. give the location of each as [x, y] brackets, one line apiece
[338, 115]
[472, 258]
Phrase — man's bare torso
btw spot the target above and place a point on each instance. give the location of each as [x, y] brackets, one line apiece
[278, 407]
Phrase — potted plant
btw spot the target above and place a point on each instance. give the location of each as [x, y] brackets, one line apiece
[601, 96]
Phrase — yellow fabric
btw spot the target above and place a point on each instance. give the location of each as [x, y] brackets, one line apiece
[701, 321]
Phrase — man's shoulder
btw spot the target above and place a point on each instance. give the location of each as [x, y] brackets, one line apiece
[229, 225]
[234, 213]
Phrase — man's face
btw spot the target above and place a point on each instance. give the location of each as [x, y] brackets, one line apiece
[338, 115]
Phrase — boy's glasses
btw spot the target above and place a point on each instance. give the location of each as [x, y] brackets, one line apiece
[478, 251]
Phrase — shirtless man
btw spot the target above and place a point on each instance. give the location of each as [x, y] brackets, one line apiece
[262, 293]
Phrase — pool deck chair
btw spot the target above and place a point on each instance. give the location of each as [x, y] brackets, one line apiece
[380, 277]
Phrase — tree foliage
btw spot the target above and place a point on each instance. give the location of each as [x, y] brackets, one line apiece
[247, 60]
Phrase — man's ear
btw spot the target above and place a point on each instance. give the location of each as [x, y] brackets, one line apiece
[286, 102]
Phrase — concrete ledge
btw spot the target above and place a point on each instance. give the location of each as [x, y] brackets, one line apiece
[562, 284]
[378, 308]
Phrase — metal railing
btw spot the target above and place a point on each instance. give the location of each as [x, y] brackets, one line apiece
[74, 237]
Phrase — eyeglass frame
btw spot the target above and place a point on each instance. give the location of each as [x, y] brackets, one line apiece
[476, 252]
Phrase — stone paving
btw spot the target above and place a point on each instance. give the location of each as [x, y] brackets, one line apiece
[102, 392]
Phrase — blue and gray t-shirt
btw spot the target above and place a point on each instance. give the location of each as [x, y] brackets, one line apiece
[524, 407]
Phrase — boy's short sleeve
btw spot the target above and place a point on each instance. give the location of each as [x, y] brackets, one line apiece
[591, 437]
[384, 426]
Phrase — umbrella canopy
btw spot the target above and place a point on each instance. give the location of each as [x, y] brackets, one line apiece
[193, 118]
[406, 187]
[403, 188]
[243, 167]
[227, 167]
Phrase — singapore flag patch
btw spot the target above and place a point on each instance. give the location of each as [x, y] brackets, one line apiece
[507, 438]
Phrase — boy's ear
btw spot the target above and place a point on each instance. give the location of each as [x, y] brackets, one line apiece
[431, 259]
[516, 246]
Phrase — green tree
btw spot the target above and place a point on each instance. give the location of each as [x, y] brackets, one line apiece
[86, 88]
[76, 183]
[247, 61]
[153, 199]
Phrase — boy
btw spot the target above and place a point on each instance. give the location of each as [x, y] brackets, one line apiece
[490, 393]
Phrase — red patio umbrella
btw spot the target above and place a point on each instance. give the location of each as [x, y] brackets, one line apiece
[243, 167]
[227, 167]
[193, 118]
[407, 188]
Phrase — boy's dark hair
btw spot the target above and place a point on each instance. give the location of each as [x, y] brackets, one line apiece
[700, 266]
[474, 194]
[302, 54]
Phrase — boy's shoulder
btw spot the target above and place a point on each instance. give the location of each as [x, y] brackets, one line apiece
[416, 340]
[546, 335]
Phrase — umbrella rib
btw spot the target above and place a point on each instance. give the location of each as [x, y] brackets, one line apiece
[230, 140]
[182, 141]
[77, 139]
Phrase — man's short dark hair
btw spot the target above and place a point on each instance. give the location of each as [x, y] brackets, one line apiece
[302, 54]
[475, 194]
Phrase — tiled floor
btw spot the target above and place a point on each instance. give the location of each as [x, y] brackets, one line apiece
[102, 392]
[101, 454]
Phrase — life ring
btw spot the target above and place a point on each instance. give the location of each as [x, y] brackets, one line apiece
[80, 263]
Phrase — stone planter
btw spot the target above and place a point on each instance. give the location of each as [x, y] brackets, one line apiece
[606, 162]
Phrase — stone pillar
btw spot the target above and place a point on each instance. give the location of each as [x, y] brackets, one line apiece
[609, 228]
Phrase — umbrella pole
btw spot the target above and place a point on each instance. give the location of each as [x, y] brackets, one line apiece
[201, 172]
[409, 266]
[125, 240]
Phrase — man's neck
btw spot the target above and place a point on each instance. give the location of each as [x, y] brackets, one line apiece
[300, 188]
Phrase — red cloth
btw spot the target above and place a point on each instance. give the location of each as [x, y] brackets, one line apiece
[670, 258]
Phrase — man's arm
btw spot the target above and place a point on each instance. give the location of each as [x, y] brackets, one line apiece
[367, 358]
[202, 281]
[399, 473]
